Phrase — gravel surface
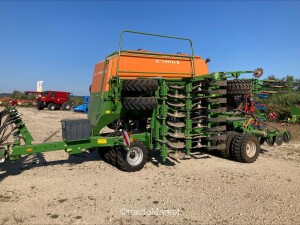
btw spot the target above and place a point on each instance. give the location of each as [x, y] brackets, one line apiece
[55, 188]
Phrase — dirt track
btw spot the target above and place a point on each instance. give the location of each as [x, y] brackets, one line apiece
[54, 188]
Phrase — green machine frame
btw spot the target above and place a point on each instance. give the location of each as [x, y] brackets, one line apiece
[191, 114]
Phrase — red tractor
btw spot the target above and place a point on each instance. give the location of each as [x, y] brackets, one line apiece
[53, 100]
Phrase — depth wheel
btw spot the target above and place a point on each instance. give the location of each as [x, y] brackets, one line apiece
[286, 136]
[227, 152]
[133, 159]
[246, 148]
[270, 141]
[279, 139]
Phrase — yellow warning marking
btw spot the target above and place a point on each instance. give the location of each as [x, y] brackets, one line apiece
[102, 141]
[248, 122]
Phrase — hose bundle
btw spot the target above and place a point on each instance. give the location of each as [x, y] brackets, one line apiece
[8, 117]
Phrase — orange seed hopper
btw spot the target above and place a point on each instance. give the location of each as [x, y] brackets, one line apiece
[136, 64]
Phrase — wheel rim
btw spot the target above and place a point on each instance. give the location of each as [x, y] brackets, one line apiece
[251, 149]
[134, 156]
[67, 106]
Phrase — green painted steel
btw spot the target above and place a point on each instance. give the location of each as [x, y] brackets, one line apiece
[187, 96]
[76, 146]
[191, 115]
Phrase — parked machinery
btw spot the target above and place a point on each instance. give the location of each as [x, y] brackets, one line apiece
[53, 100]
[166, 102]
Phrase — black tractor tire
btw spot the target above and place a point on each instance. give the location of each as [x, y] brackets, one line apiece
[279, 139]
[286, 136]
[113, 155]
[134, 159]
[239, 87]
[262, 140]
[270, 141]
[40, 104]
[51, 106]
[140, 85]
[227, 152]
[139, 103]
[104, 153]
[57, 106]
[245, 148]
[66, 106]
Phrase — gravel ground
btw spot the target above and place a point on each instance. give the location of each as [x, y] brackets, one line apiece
[54, 188]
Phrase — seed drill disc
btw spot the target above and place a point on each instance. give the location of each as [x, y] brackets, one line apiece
[176, 104]
[177, 145]
[199, 125]
[177, 87]
[177, 155]
[177, 114]
[198, 145]
[176, 135]
[176, 124]
[198, 106]
[180, 96]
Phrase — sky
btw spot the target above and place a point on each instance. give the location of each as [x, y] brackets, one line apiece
[59, 42]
